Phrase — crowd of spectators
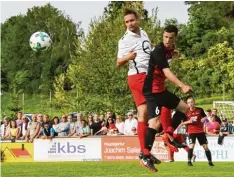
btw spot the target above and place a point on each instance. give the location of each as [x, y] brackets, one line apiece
[40, 126]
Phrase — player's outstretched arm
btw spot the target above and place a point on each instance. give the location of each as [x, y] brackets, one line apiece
[170, 76]
[122, 61]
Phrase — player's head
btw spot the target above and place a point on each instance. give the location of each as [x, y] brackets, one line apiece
[169, 36]
[130, 19]
[191, 102]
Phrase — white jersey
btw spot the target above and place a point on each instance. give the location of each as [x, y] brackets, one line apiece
[133, 42]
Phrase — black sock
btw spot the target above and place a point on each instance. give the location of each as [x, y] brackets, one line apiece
[208, 155]
[190, 154]
[149, 138]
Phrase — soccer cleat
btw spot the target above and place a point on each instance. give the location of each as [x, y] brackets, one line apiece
[141, 155]
[194, 157]
[155, 160]
[178, 145]
[190, 164]
[171, 160]
[166, 139]
[148, 163]
[211, 164]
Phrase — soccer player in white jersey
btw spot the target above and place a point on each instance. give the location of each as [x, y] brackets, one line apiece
[134, 48]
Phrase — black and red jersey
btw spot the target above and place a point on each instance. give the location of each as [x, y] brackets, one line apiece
[159, 59]
[195, 115]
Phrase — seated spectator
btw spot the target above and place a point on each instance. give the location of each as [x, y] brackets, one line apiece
[214, 112]
[13, 130]
[90, 120]
[45, 119]
[34, 128]
[110, 125]
[63, 127]
[48, 132]
[40, 120]
[72, 125]
[231, 126]
[84, 130]
[24, 128]
[212, 127]
[208, 115]
[55, 123]
[102, 119]
[223, 131]
[19, 120]
[119, 124]
[5, 127]
[129, 124]
[96, 125]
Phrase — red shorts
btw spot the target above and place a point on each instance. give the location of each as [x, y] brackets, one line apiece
[136, 83]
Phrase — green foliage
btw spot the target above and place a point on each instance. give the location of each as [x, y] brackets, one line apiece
[25, 69]
[97, 84]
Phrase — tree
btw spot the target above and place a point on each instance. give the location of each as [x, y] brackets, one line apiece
[30, 71]
[97, 84]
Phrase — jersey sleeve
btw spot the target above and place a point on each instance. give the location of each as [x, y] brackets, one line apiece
[159, 58]
[203, 114]
[122, 49]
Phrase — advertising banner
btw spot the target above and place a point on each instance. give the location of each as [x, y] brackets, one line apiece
[128, 149]
[17, 152]
[223, 152]
[68, 149]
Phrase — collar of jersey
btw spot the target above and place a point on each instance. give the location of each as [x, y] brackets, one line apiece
[134, 34]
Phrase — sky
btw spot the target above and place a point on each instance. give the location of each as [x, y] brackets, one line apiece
[84, 11]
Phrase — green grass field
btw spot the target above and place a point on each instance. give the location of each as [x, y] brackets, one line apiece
[115, 169]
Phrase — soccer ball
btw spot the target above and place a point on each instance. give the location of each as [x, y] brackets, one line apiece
[40, 41]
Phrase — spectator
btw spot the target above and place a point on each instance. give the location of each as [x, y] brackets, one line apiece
[40, 121]
[55, 123]
[96, 125]
[5, 127]
[72, 125]
[63, 127]
[119, 124]
[129, 124]
[45, 119]
[102, 119]
[231, 126]
[24, 128]
[19, 120]
[224, 131]
[212, 127]
[214, 112]
[90, 120]
[13, 130]
[48, 131]
[34, 128]
[84, 130]
[208, 114]
[110, 125]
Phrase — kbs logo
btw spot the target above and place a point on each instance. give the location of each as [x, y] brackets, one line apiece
[67, 148]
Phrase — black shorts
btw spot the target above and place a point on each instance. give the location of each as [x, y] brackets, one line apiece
[156, 101]
[201, 137]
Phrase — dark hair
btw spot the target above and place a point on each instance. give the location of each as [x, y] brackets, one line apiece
[15, 124]
[171, 29]
[208, 110]
[55, 118]
[190, 97]
[128, 11]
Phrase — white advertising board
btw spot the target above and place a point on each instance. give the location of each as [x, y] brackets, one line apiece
[219, 153]
[67, 149]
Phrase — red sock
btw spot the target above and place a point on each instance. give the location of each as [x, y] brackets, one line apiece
[141, 131]
[170, 130]
[186, 148]
[171, 154]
